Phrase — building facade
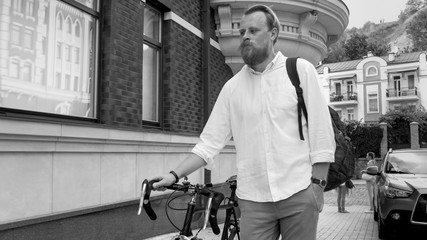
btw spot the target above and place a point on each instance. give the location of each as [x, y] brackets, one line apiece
[367, 88]
[96, 96]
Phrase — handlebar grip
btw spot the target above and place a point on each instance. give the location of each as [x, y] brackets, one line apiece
[213, 221]
[146, 199]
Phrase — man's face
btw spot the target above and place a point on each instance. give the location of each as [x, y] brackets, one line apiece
[255, 38]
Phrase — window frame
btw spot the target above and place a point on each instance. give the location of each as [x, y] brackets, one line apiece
[158, 46]
[373, 74]
[95, 14]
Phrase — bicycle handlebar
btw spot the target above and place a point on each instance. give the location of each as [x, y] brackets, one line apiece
[214, 201]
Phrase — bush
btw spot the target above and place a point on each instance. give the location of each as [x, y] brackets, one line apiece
[365, 137]
[398, 128]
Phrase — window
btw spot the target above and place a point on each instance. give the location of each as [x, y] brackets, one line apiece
[77, 30]
[67, 53]
[373, 102]
[28, 38]
[371, 71]
[16, 35]
[14, 68]
[58, 80]
[58, 50]
[350, 114]
[30, 8]
[44, 65]
[396, 81]
[17, 5]
[411, 82]
[338, 88]
[349, 87]
[76, 55]
[59, 21]
[151, 66]
[68, 26]
[26, 72]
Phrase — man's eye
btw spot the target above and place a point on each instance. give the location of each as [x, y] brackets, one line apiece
[242, 33]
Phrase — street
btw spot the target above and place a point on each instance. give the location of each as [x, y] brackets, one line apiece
[358, 224]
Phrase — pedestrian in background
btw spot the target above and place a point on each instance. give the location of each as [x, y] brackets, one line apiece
[281, 178]
[343, 190]
[370, 156]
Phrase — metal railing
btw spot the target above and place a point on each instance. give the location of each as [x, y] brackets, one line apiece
[349, 96]
[402, 92]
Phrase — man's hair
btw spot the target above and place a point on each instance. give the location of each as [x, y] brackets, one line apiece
[371, 154]
[272, 20]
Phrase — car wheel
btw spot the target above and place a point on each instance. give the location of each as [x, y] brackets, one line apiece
[382, 231]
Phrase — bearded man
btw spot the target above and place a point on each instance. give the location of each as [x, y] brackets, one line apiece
[278, 174]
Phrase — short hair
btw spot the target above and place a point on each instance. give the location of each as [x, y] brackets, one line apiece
[272, 19]
[371, 154]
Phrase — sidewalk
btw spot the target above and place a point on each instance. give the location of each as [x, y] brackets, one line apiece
[358, 224]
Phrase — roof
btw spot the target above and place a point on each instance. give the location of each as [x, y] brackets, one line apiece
[351, 65]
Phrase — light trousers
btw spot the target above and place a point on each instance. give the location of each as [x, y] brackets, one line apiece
[294, 218]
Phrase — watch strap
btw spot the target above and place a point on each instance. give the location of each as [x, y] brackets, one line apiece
[175, 175]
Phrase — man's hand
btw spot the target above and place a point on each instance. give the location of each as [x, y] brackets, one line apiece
[318, 193]
[163, 181]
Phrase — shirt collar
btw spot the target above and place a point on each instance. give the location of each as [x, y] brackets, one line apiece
[269, 66]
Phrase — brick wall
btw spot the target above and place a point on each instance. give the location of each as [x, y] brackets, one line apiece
[121, 73]
[182, 85]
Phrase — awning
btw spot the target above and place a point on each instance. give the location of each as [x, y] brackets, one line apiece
[341, 77]
[402, 69]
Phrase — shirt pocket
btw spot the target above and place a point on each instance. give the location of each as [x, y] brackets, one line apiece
[282, 100]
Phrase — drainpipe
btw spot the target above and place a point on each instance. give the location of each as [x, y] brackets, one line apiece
[206, 70]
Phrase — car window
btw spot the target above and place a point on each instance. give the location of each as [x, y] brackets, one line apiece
[407, 162]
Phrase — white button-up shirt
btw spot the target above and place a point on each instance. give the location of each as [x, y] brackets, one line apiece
[259, 110]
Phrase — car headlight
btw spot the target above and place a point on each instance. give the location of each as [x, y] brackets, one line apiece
[392, 192]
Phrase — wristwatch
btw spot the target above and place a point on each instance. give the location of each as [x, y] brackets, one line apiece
[321, 182]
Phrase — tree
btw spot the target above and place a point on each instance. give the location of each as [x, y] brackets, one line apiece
[417, 30]
[378, 48]
[355, 47]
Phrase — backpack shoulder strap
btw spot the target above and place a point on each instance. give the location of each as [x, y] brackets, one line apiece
[291, 67]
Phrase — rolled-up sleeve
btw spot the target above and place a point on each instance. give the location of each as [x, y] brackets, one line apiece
[217, 131]
[320, 133]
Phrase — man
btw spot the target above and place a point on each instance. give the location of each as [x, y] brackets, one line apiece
[258, 108]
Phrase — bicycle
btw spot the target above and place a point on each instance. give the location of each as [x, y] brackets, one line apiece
[230, 204]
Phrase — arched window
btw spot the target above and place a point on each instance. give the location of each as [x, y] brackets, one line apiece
[77, 29]
[59, 22]
[372, 71]
[68, 26]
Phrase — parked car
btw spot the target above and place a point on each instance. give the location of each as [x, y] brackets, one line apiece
[400, 191]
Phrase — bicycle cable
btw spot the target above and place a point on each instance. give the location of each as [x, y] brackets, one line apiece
[167, 205]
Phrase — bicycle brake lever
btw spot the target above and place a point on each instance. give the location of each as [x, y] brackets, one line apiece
[216, 202]
[208, 210]
[146, 188]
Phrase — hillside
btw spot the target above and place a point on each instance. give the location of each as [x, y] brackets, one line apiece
[393, 33]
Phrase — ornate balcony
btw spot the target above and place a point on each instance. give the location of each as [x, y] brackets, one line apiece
[349, 98]
[402, 94]
[308, 27]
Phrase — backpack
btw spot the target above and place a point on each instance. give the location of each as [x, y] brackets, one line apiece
[342, 169]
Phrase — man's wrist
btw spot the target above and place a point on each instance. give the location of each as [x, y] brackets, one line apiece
[321, 182]
[175, 175]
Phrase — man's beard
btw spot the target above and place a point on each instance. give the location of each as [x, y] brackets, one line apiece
[251, 55]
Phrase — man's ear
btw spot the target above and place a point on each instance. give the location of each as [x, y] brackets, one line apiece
[274, 34]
